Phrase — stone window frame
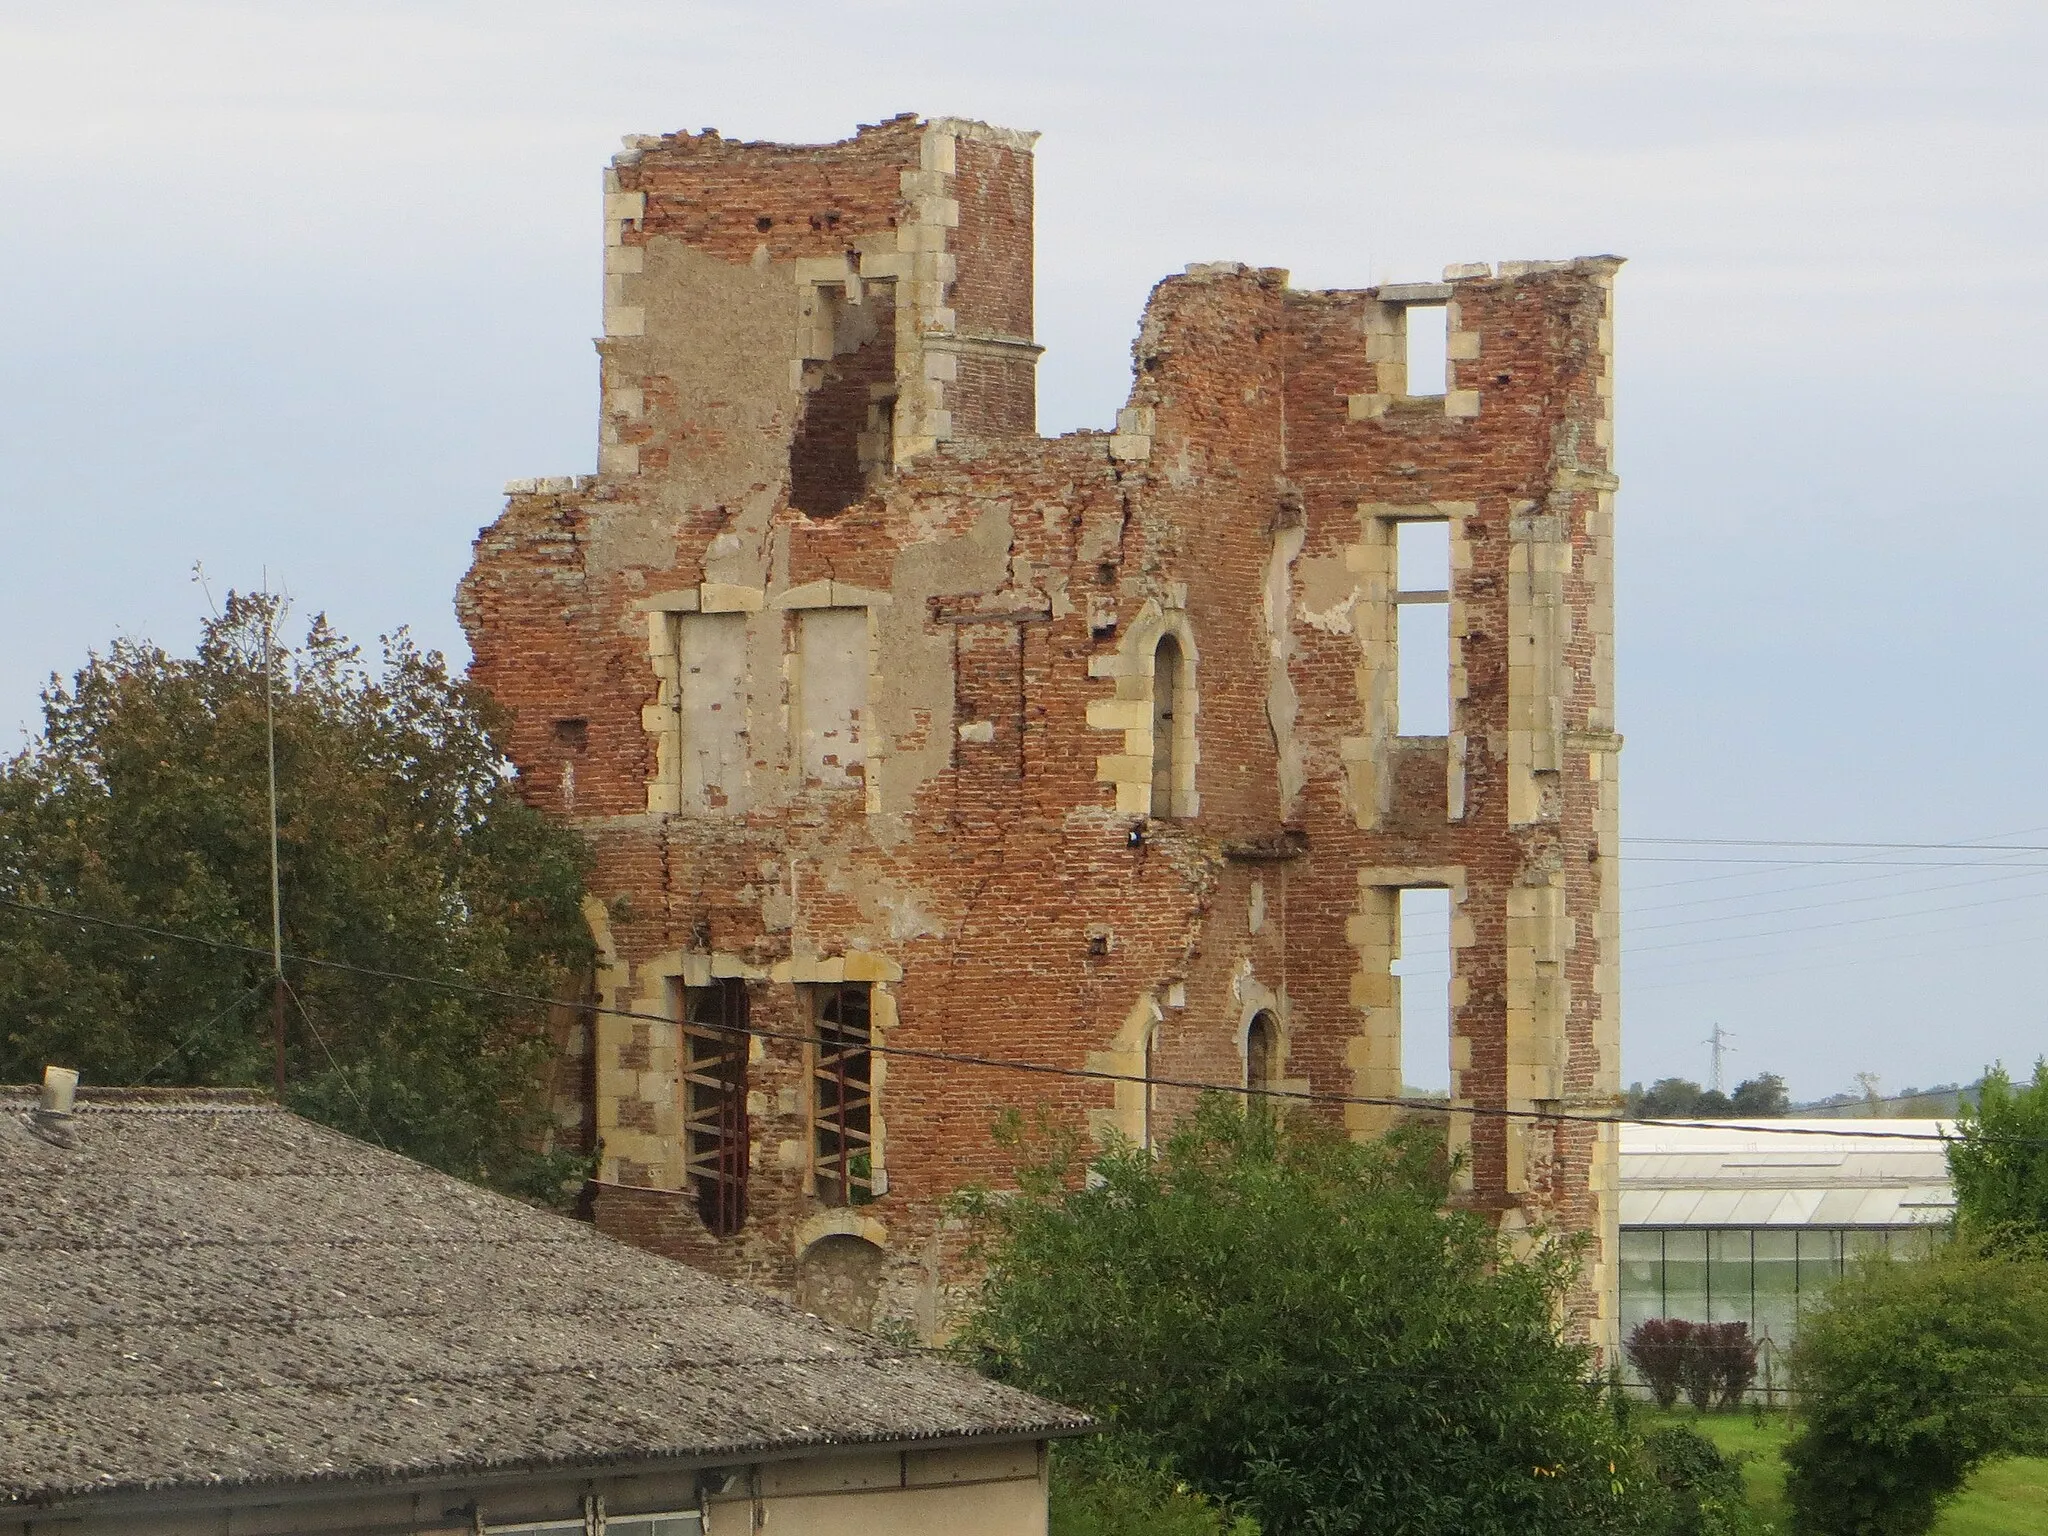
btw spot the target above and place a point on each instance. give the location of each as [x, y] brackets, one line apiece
[874, 748]
[661, 718]
[881, 975]
[1385, 322]
[1130, 711]
[1374, 1052]
[1374, 563]
[655, 1086]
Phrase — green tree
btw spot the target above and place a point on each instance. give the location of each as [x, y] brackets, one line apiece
[1909, 1377]
[1762, 1097]
[1292, 1323]
[403, 845]
[1999, 1158]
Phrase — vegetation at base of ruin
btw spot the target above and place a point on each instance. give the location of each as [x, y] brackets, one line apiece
[1098, 1492]
[403, 846]
[1293, 1324]
[1909, 1378]
[1762, 1097]
[1999, 1159]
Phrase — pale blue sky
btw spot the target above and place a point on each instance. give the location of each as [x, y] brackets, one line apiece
[300, 287]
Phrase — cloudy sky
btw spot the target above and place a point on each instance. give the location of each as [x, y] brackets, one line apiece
[295, 289]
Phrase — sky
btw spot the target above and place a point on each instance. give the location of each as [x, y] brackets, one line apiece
[289, 292]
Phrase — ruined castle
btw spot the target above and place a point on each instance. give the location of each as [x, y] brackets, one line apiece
[894, 724]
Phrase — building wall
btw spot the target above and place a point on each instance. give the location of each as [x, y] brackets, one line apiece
[991, 1490]
[960, 812]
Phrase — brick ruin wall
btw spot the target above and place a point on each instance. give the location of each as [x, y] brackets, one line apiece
[907, 736]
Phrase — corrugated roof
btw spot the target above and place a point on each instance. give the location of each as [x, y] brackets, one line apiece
[209, 1291]
[1728, 1174]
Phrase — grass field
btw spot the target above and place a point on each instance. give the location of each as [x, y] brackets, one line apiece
[2007, 1498]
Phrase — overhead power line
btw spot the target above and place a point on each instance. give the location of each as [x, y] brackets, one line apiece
[1774, 842]
[994, 1063]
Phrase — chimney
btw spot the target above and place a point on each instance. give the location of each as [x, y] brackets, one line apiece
[54, 1120]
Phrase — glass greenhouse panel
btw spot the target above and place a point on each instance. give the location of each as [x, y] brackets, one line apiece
[1685, 1275]
[1728, 1276]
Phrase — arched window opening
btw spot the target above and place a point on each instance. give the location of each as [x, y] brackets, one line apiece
[715, 1131]
[1168, 705]
[1262, 1052]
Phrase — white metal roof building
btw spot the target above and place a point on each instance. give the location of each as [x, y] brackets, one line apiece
[1740, 1222]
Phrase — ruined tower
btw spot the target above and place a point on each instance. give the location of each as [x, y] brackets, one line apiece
[893, 723]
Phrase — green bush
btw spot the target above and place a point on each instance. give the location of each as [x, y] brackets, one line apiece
[1096, 1493]
[1910, 1376]
[1293, 1324]
[1704, 1486]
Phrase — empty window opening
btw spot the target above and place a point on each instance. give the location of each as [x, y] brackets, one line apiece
[1169, 703]
[1423, 964]
[832, 695]
[1262, 1053]
[1429, 345]
[1422, 628]
[846, 417]
[842, 1095]
[715, 1132]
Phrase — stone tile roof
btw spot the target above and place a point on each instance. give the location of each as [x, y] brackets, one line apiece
[208, 1291]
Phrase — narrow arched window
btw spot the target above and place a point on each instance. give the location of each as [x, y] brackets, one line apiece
[1167, 724]
[1262, 1052]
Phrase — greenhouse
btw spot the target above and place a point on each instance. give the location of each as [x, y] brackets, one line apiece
[1744, 1223]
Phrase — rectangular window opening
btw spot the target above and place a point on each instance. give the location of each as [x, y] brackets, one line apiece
[1429, 345]
[1424, 966]
[842, 1094]
[715, 1131]
[1422, 628]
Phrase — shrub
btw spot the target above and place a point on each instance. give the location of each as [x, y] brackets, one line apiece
[1657, 1348]
[1705, 1487]
[1097, 1493]
[1713, 1363]
[1696, 1372]
[1293, 1323]
[1731, 1353]
[1910, 1377]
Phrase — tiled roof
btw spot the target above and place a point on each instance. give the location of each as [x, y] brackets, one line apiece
[209, 1291]
[1727, 1174]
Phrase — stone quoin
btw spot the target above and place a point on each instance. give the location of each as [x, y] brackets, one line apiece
[895, 724]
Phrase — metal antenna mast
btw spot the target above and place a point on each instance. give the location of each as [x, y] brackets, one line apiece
[276, 902]
[1719, 1041]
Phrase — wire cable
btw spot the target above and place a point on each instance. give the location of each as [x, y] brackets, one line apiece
[997, 1063]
